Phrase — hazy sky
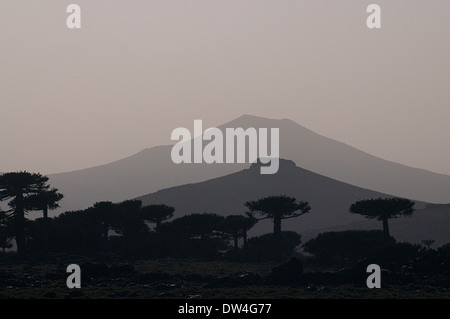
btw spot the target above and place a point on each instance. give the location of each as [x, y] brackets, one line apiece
[137, 69]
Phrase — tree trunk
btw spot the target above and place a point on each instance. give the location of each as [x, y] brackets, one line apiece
[277, 226]
[158, 225]
[45, 211]
[386, 228]
[277, 237]
[106, 231]
[236, 237]
[244, 238]
[20, 230]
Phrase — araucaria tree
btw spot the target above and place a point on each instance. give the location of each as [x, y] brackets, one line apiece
[237, 226]
[383, 209]
[23, 190]
[105, 213]
[4, 231]
[44, 198]
[157, 214]
[278, 208]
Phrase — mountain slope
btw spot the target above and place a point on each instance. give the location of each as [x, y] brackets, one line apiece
[337, 160]
[152, 169]
[144, 172]
[330, 199]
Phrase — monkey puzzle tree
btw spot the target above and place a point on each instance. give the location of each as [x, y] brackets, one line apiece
[238, 226]
[428, 242]
[43, 199]
[199, 235]
[278, 208]
[383, 209]
[105, 213]
[157, 214]
[17, 187]
[5, 233]
[203, 226]
[128, 221]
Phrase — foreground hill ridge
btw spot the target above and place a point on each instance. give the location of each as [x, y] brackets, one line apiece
[330, 200]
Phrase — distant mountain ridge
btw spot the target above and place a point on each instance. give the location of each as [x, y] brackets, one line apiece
[340, 161]
[146, 171]
[152, 169]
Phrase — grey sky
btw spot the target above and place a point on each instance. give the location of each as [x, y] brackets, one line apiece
[71, 99]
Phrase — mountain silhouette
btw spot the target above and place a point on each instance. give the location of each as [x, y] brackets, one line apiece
[330, 201]
[152, 169]
[144, 172]
[340, 161]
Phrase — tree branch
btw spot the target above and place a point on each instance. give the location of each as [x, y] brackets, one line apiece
[293, 216]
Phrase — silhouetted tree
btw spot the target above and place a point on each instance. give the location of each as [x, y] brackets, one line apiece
[157, 214]
[106, 214]
[345, 247]
[44, 198]
[5, 233]
[238, 226]
[129, 223]
[198, 235]
[76, 232]
[267, 247]
[383, 209]
[428, 242]
[278, 208]
[200, 225]
[16, 187]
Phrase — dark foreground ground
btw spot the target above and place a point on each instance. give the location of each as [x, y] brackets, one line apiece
[190, 279]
